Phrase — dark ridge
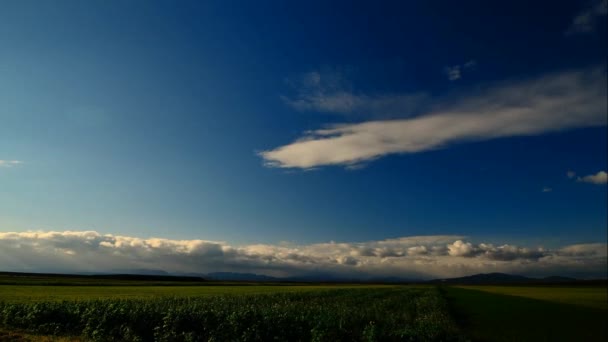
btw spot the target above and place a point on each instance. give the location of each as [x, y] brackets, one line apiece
[137, 277]
[232, 276]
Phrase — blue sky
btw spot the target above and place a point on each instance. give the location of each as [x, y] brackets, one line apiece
[272, 122]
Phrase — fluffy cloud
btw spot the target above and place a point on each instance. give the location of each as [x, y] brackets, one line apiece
[9, 163]
[598, 178]
[550, 103]
[418, 256]
[586, 21]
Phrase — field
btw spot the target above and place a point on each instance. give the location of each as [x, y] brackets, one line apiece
[128, 310]
[17, 293]
[590, 296]
[539, 313]
[300, 314]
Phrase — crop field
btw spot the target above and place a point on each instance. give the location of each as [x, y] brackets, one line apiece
[80, 309]
[395, 313]
[37, 293]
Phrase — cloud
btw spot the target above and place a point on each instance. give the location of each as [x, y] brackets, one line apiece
[571, 174]
[10, 163]
[547, 189]
[586, 21]
[550, 103]
[598, 178]
[455, 72]
[417, 256]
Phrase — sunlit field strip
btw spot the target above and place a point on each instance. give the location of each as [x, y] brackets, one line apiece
[17, 293]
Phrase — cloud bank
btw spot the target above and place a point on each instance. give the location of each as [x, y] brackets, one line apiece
[409, 257]
[550, 103]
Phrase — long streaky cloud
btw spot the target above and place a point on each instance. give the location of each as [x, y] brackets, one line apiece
[9, 163]
[550, 103]
[414, 257]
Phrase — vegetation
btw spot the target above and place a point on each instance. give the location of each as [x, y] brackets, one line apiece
[363, 314]
[488, 316]
[591, 296]
[14, 293]
[172, 309]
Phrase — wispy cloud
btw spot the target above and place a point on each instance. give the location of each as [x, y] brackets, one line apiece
[547, 189]
[553, 102]
[571, 174]
[599, 178]
[330, 92]
[10, 163]
[586, 20]
[454, 72]
[417, 256]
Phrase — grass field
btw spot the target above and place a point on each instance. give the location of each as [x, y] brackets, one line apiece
[505, 313]
[590, 296]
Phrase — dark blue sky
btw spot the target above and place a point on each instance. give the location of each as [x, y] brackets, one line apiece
[148, 118]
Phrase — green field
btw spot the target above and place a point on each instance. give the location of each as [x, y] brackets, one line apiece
[358, 313]
[36, 293]
[590, 296]
[119, 310]
[541, 313]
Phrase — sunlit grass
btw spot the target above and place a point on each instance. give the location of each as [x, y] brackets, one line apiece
[14, 293]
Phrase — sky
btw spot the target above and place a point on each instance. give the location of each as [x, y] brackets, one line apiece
[415, 139]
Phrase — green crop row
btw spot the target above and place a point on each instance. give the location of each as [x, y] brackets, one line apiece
[390, 314]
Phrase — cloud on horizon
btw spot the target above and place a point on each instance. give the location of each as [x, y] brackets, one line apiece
[550, 103]
[409, 257]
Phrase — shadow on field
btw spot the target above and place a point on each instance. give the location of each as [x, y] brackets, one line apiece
[493, 317]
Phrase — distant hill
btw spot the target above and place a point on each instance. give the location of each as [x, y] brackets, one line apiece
[140, 271]
[232, 276]
[88, 279]
[503, 278]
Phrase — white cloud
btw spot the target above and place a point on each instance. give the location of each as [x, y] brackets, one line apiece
[460, 248]
[571, 174]
[9, 163]
[586, 21]
[598, 178]
[549, 103]
[417, 256]
[547, 189]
